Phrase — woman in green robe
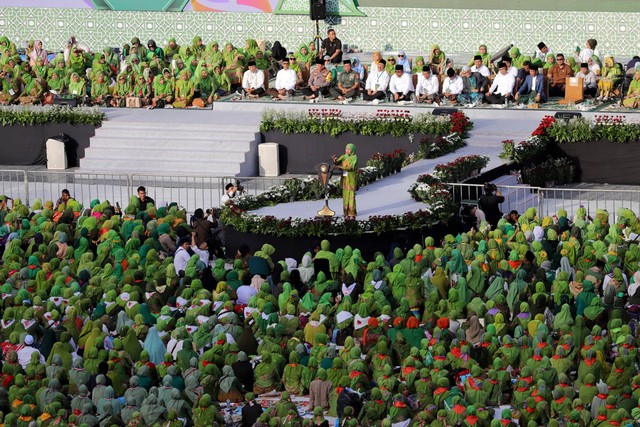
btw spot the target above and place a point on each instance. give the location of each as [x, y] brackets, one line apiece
[348, 163]
[121, 90]
[223, 83]
[185, 89]
[162, 89]
[292, 375]
[484, 53]
[56, 81]
[438, 59]
[233, 64]
[99, 90]
[207, 86]
[266, 375]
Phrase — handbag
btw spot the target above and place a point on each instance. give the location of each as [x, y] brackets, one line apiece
[133, 102]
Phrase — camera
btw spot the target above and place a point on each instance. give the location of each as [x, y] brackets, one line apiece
[239, 187]
[490, 187]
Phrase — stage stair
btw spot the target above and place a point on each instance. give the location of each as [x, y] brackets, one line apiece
[211, 149]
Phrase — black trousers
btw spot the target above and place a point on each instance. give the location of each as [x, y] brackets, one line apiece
[376, 95]
[324, 91]
[496, 99]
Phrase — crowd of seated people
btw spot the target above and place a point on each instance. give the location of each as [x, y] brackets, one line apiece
[125, 318]
[197, 74]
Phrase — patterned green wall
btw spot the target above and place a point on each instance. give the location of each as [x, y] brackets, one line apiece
[414, 30]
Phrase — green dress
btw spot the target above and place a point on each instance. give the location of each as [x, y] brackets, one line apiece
[349, 164]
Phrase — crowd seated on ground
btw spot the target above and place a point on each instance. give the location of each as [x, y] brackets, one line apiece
[127, 319]
[198, 73]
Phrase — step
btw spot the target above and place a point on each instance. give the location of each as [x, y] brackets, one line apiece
[123, 142]
[164, 167]
[508, 180]
[176, 154]
[154, 125]
[149, 134]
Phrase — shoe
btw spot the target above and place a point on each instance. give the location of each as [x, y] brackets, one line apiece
[375, 101]
[345, 102]
[275, 98]
[599, 98]
[605, 99]
[312, 101]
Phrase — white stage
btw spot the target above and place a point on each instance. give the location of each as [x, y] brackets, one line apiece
[389, 196]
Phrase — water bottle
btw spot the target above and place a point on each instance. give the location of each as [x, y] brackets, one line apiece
[337, 422]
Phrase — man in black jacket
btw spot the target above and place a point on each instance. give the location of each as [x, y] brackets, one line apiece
[489, 203]
[251, 411]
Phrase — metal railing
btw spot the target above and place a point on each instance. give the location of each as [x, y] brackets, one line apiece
[548, 201]
[190, 192]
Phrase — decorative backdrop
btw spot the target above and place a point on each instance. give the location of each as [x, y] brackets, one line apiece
[413, 30]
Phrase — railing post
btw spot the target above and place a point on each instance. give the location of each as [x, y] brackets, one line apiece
[540, 198]
[26, 188]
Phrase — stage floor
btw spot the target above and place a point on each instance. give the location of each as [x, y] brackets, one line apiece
[389, 196]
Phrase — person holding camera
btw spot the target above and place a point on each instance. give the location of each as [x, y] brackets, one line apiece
[489, 203]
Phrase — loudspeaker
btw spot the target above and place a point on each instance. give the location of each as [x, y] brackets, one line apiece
[317, 10]
[567, 115]
[69, 102]
[444, 111]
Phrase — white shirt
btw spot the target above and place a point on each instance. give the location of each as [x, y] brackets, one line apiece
[253, 80]
[482, 70]
[377, 80]
[428, 86]
[512, 71]
[244, 294]
[204, 255]
[224, 199]
[286, 79]
[24, 356]
[503, 84]
[595, 68]
[402, 84]
[180, 259]
[585, 54]
[542, 56]
[453, 85]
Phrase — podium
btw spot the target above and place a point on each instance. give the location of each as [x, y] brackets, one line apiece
[573, 91]
[325, 170]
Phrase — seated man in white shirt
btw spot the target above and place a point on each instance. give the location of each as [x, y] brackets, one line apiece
[479, 67]
[590, 82]
[452, 86]
[286, 80]
[401, 85]
[253, 81]
[428, 86]
[502, 87]
[377, 83]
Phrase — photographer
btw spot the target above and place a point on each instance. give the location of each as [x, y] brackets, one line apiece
[489, 203]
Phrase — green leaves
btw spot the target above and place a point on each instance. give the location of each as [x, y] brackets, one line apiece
[397, 123]
[39, 115]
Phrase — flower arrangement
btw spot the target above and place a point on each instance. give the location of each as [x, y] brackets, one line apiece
[429, 189]
[557, 171]
[333, 121]
[433, 146]
[461, 168]
[546, 123]
[232, 214]
[612, 128]
[525, 151]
